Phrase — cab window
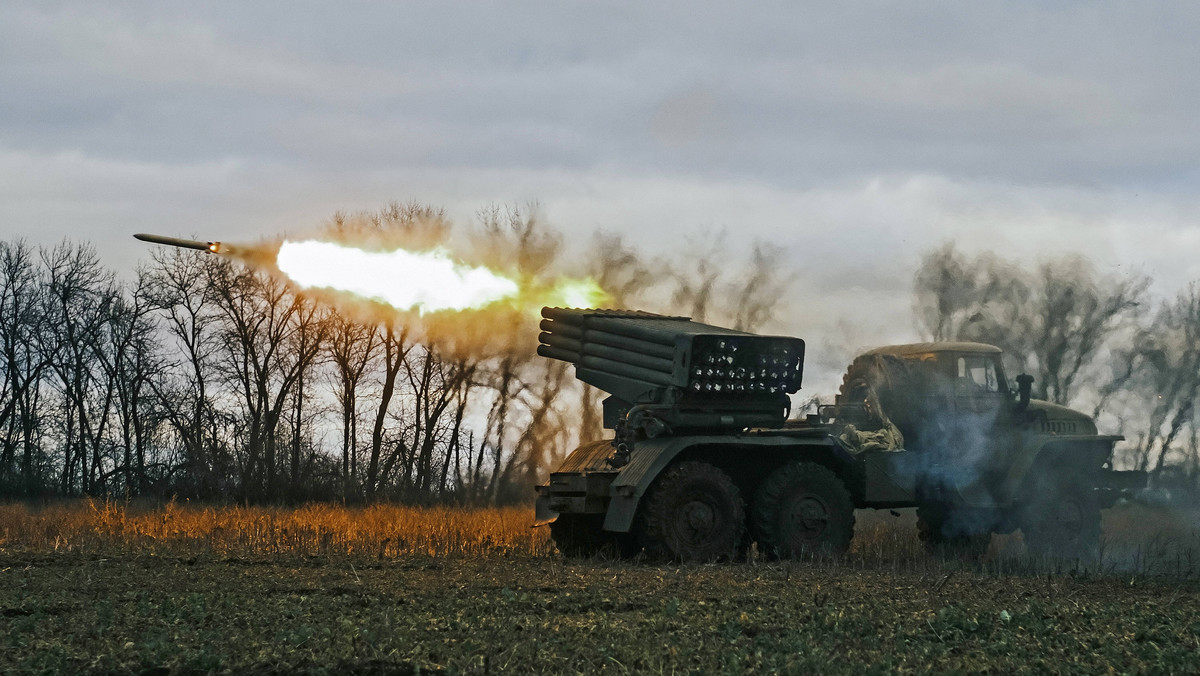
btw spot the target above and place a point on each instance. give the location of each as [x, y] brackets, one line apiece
[977, 375]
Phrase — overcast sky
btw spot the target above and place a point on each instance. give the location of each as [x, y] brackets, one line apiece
[855, 136]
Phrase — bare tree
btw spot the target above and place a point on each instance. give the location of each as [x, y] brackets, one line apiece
[395, 345]
[130, 361]
[983, 298]
[1054, 320]
[269, 337]
[757, 294]
[78, 294]
[1077, 313]
[522, 388]
[1163, 368]
[181, 291]
[695, 283]
[713, 286]
[23, 367]
[435, 385]
[305, 344]
[352, 346]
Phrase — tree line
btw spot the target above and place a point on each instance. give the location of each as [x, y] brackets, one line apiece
[204, 377]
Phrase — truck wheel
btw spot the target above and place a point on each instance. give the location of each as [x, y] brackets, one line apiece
[580, 536]
[1063, 524]
[945, 536]
[803, 509]
[693, 513]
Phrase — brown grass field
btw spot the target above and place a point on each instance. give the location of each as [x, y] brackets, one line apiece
[113, 588]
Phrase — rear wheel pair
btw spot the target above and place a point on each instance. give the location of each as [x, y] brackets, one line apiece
[695, 513]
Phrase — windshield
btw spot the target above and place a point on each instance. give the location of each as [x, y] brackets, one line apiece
[977, 374]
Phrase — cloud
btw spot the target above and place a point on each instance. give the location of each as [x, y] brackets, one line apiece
[854, 138]
[1043, 104]
[790, 95]
[156, 53]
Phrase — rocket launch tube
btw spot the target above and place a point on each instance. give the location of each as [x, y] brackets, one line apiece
[211, 247]
[660, 350]
[580, 348]
[645, 376]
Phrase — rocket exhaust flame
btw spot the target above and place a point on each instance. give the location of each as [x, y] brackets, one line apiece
[424, 282]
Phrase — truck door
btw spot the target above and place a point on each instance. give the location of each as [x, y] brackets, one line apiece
[979, 402]
[978, 386]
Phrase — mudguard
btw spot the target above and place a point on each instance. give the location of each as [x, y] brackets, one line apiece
[1085, 452]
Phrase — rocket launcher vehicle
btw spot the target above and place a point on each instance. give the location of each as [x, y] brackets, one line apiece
[670, 374]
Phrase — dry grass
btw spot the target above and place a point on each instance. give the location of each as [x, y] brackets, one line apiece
[1137, 539]
[1152, 540]
[381, 531]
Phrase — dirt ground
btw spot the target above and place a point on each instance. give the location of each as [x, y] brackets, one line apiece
[146, 614]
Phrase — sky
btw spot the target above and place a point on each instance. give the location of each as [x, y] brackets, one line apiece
[853, 137]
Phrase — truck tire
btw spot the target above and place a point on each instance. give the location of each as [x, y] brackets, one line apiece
[1062, 524]
[803, 509]
[693, 513]
[946, 537]
[581, 536]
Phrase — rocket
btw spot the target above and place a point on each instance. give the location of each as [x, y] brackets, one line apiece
[211, 247]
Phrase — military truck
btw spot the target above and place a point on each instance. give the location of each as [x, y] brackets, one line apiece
[705, 460]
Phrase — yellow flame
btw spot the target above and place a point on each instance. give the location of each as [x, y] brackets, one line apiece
[424, 281]
[577, 293]
[427, 281]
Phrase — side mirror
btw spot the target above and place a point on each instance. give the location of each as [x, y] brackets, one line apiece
[1024, 390]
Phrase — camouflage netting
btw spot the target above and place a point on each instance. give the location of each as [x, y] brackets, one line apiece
[862, 385]
[886, 438]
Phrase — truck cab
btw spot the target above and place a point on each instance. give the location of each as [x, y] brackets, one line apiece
[978, 455]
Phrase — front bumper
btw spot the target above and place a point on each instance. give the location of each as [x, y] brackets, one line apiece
[1114, 484]
[573, 493]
